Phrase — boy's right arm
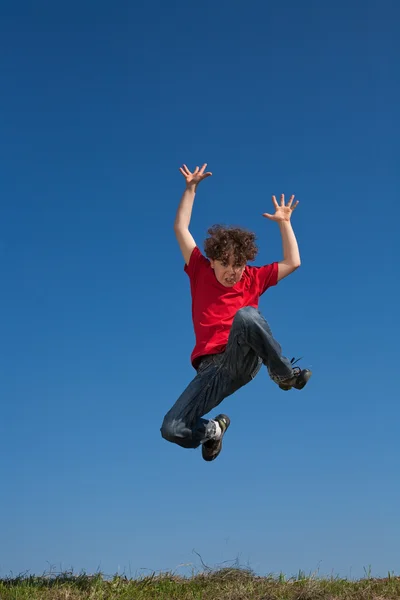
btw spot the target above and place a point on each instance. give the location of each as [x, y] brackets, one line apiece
[184, 212]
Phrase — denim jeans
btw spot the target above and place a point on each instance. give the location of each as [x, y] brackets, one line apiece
[250, 345]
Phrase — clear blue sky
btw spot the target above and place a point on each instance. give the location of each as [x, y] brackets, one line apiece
[100, 103]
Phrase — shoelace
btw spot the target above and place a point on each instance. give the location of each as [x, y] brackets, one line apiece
[293, 361]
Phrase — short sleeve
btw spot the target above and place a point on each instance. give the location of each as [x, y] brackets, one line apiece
[197, 262]
[265, 276]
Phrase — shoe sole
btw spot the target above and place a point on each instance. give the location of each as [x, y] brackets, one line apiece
[307, 376]
[212, 457]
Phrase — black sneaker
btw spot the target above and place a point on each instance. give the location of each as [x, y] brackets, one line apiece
[212, 448]
[298, 380]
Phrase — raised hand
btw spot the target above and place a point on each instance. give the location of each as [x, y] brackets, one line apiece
[283, 211]
[193, 179]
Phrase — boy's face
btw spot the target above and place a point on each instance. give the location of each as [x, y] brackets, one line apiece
[226, 272]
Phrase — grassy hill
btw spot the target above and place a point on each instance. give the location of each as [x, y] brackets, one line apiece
[224, 584]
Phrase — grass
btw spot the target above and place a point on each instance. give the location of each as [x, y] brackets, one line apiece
[222, 584]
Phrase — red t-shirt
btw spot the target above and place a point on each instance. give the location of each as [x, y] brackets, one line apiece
[214, 305]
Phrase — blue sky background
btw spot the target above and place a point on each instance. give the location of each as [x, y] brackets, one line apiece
[100, 103]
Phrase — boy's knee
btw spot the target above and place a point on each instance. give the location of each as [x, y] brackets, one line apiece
[168, 430]
[247, 314]
[175, 431]
[178, 432]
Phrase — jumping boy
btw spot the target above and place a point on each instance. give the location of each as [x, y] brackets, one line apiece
[233, 340]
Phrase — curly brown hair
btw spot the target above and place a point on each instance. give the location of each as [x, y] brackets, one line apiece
[225, 242]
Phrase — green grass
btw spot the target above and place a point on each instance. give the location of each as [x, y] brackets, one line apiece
[223, 584]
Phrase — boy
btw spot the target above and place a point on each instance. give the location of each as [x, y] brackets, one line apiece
[233, 340]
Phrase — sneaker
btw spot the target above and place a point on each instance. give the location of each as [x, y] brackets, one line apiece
[211, 448]
[298, 380]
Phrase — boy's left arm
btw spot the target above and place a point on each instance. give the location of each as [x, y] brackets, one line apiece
[291, 255]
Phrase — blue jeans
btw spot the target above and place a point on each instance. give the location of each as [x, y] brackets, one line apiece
[250, 345]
